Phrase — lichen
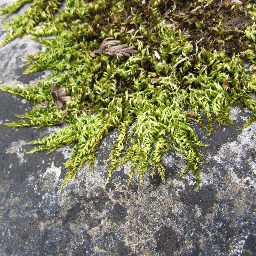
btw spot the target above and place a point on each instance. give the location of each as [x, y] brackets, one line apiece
[169, 63]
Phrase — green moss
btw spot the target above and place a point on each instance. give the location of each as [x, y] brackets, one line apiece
[190, 57]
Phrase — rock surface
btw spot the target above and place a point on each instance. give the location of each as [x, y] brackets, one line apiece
[91, 218]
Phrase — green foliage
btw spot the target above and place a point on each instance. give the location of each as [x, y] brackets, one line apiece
[9, 10]
[151, 92]
[39, 11]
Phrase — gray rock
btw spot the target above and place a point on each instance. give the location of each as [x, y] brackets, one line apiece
[91, 218]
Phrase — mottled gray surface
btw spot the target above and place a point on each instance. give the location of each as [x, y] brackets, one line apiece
[90, 218]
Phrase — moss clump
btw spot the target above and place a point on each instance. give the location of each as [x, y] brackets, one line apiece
[149, 65]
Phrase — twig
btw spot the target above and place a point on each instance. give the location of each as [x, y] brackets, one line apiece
[197, 42]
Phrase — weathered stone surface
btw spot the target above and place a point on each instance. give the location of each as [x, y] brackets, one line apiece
[91, 218]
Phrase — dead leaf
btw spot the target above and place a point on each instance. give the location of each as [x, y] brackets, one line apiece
[192, 116]
[121, 50]
[54, 87]
[59, 95]
[44, 104]
[170, 26]
[61, 92]
[92, 54]
[110, 46]
[59, 104]
[65, 99]
[154, 80]
[225, 85]
[251, 69]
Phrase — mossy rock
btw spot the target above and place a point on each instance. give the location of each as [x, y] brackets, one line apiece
[155, 66]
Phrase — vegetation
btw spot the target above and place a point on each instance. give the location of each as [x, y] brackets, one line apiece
[152, 66]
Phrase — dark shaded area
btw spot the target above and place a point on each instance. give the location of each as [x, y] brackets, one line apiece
[156, 179]
[118, 213]
[83, 249]
[167, 240]
[119, 248]
[99, 203]
[124, 250]
[73, 213]
[225, 231]
[26, 78]
[205, 199]
[250, 246]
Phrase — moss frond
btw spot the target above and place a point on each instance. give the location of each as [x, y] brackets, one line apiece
[11, 9]
[176, 64]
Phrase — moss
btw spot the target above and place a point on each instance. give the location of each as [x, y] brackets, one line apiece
[174, 59]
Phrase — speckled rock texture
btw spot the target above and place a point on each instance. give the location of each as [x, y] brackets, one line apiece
[91, 218]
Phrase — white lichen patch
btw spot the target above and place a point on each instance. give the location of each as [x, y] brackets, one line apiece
[66, 151]
[11, 61]
[234, 113]
[209, 178]
[235, 151]
[53, 173]
[169, 160]
[233, 156]
[238, 245]
[17, 148]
